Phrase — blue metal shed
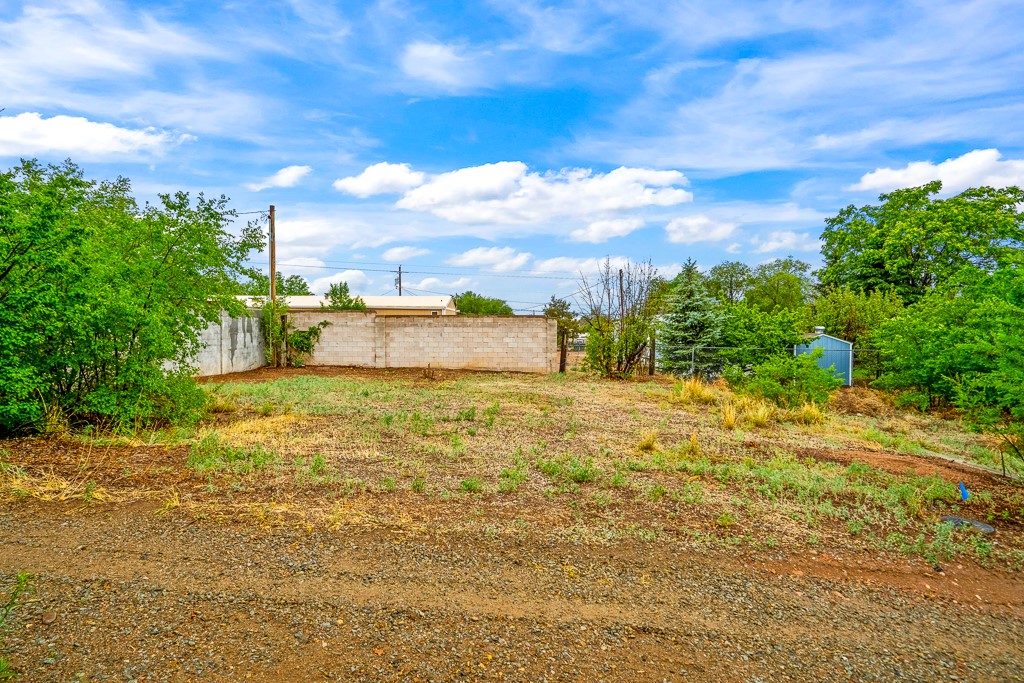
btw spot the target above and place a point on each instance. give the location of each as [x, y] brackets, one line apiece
[837, 352]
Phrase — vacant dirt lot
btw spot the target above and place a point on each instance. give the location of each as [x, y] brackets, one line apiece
[350, 525]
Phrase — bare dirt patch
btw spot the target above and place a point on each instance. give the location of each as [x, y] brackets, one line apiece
[140, 595]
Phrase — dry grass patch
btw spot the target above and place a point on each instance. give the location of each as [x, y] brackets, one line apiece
[729, 416]
[648, 442]
[48, 486]
[693, 390]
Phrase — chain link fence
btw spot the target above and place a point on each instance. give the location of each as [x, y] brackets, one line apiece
[711, 361]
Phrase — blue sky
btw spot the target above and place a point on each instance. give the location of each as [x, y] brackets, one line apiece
[506, 146]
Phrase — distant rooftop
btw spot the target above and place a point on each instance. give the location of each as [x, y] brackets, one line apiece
[372, 302]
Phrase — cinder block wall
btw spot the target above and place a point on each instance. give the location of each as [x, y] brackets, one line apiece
[348, 340]
[233, 345]
[363, 339]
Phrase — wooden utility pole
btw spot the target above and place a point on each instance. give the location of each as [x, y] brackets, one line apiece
[273, 260]
[399, 280]
[273, 292]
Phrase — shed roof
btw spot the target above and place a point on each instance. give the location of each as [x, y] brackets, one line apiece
[810, 336]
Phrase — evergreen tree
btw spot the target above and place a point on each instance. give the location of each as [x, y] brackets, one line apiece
[694, 319]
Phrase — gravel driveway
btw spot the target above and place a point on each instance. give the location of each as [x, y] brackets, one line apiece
[135, 595]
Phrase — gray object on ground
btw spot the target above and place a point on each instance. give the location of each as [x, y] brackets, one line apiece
[959, 522]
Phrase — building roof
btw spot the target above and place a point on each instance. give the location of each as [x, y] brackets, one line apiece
[811, 336]
[372, 302]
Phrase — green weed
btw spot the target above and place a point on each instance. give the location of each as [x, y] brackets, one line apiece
[211, 455]
[510, 479]
[491, 413]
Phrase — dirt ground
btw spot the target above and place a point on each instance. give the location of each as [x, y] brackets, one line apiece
[145, 570]
[133, 594]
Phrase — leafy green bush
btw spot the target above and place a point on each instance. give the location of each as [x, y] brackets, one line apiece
[302, 342]
[788, 381]
[102, 301]
[963, 345]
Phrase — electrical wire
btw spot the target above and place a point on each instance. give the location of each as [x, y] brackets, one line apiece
[480, 274]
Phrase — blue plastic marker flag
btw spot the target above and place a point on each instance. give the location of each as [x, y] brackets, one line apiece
[964, 493]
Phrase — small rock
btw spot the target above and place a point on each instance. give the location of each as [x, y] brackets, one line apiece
[48, 617]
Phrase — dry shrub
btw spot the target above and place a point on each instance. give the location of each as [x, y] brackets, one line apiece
[693, 390]
[691, 449]
[728, 415]
[755, 412]
[222, 404]
[648, 442]
[807, 414]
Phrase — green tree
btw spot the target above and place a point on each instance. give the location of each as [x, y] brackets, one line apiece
[853, 316]
[568, 325]
[339, 298]
[694, 319]
[729, 281]
[963, 344]
[752, 335]
[970, 328]
[99, 296]
[912, 242]
[783, 283]
[258, 284]
[620, 315]
[470, 303]
[787, 380]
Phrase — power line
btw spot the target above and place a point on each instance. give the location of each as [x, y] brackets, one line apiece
[481, 274]
[485, 274]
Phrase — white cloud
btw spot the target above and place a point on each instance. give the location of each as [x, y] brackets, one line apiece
[973, 169]
[698, 228]
[110, 61]
[356, 279]
[68, 41]
[441, 65]
[952, 76]
[603, 230]
[785, 240]
[433, 284]
[403, 253]
[507, 193]
[572, 29]
[29, 134]
[379, 179]
[499, 259]
[575, 266]
[289, 176]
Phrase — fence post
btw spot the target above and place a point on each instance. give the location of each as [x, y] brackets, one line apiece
[563, 350]
[693, 360]
[283, 361]
[653, 354]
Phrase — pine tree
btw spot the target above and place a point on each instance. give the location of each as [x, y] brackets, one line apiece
[694, 319]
